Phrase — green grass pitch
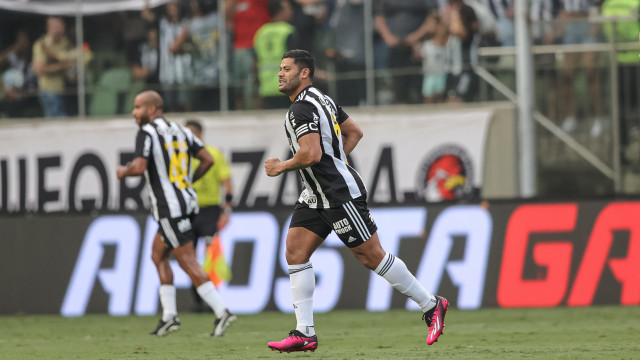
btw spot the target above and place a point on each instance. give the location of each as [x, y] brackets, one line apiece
[599, 332]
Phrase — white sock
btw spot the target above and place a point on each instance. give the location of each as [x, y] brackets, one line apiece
[395, 271]
[209, 294]
[303, 282]
[168, 302]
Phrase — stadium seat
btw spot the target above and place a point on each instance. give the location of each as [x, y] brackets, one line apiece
[110, 91]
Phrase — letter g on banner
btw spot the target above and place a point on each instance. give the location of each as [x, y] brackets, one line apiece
[513, 289]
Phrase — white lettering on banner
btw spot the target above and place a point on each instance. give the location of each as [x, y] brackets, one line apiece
[262, 229]
[148, 281]
[44, 173]
[121, 231]
[394, 224]
[475, 224]
[328, 268]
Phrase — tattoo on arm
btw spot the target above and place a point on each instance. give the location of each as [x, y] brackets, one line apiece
[296, 166]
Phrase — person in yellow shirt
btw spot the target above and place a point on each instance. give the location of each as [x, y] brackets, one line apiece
[214, 213]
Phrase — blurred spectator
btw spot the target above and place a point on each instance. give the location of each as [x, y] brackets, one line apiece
[402, 25]
[136, 29]
[487, 23]
[51, 64]
[347, 23]
[463, 24]
[248, 17]
[202, 36]
[578, 30]
[19, 82]
[175, 62]
[145, 61]
[272, 40]
[441, 63]
[308, 16]
[628, 75]
[544, 31]
[502, 11]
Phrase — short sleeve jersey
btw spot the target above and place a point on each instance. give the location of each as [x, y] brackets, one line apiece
[331, 182]
[169, 149]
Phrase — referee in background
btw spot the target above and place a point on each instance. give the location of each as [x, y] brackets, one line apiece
[212, 216]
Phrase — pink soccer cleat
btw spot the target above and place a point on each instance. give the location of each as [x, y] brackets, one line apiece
[435, 319]
[296, 341]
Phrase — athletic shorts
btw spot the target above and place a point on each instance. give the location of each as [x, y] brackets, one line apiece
[176, 231]
[206, 222]
[351, 221]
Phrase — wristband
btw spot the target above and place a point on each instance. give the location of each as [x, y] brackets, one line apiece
[227, 210]
[228, 198]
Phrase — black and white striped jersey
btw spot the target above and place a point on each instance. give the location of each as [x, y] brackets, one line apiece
[169, 149]
[331, 182]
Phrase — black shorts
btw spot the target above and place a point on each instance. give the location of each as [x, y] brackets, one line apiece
[206, 222]
[176, 231]
[351, 221]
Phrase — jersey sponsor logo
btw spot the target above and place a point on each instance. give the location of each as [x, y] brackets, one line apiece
[184, 225]
[446, 174]
[342, 226]
[308, 198]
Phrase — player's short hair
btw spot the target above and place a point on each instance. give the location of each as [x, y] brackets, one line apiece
[302, 59]
[195, 123]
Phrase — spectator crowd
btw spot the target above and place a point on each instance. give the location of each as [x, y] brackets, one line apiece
[424, 51]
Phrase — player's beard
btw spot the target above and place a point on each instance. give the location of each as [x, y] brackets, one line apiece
[144, 119]
[291, 85]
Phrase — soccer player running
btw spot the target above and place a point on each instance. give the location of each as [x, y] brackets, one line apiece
[321, 135]
[163, 154]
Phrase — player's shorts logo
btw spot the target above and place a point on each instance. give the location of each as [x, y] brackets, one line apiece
[184, 225]
[342, 226]
[446, 174]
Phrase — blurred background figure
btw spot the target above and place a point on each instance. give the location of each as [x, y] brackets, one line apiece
[175, 63]
[348, 52]
[402, 24]
[214, 212]
[145, 61]
[578, 30]
[19, 82]
[248, 17]
[441, 62]
[271, 41]
[200, 38]
[51, 64]
[463, 24]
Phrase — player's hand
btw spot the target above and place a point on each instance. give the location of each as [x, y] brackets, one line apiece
[271, 166]
[120, 171]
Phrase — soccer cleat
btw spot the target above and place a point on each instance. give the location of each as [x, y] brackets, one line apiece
[296, 341]
[165, 327]
[223, 323]
[435, 319]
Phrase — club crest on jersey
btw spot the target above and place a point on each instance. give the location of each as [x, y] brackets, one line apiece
[342, 226]
[446, 174]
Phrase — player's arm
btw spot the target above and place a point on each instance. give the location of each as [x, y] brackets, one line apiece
[351, 135]
[206, 161]
[135, 168]
[309, 154]
[138, 166]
